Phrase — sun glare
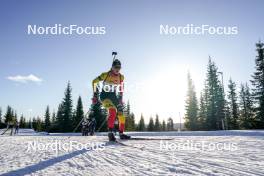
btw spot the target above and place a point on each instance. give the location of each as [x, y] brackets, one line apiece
[163, 93]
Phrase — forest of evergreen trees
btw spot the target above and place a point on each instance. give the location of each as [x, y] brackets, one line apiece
[238, 107]
[66, 118]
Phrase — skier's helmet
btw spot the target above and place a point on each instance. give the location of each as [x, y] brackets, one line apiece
[116, 63]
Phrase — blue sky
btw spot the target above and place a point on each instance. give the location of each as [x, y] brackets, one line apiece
[132, 29]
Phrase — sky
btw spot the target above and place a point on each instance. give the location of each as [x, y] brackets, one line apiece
[35, 69]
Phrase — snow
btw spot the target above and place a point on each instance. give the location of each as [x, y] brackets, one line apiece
[242, 155]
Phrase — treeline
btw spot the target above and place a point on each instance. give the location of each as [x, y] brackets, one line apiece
[67, 118]
[239, 107]
[11, 117]
[152, 125]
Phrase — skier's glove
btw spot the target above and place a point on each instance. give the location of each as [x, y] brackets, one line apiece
[95, 98]
[120, 108]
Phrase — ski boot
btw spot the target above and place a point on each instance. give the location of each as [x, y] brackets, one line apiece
[111, 136]
[124, 136]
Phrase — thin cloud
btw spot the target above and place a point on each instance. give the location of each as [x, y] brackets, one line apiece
[25, 79]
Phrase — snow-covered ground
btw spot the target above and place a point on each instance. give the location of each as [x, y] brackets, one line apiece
[188, 153]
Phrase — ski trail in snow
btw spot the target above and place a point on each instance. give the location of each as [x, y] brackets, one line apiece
[115, 159]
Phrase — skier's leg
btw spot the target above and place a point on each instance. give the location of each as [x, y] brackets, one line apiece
[11, 133]
[121, 120]
[107, 103]
[111, 118]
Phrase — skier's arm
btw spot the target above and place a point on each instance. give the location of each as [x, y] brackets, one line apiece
[97, 80]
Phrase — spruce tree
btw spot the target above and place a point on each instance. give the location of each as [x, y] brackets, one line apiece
[232, 103]
[29, 124]
[53, 119]
[127, 113]
[246, 108]
[141, 124]
[9, 116]
[163, 125]
[130, 122]
[170, 125]
[59, 119]
[258, 84]
[151, 124]
[38, 124]
[47, 120]
[79, 113]
[202, 113]
[0, 115]
[157, 125]
[22, 122]
[133, 123]
[100, 116]
[191, 116]
[15, 118]
[34, 123]
[214, 96]
[67, 110]
[128, 109]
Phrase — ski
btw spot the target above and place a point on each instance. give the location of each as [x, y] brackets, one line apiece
[130, 146]
[125, 145]
[150, 139]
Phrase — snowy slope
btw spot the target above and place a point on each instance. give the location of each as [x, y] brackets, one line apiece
[139, 158]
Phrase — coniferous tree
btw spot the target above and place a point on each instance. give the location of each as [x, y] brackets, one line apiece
[246, 108]
[202, 113]
[151, 124]
[170, 124]
[130, 118]
[233, 106]
[258, 84]
[228, 117]
[59, 119]
[47, 120]
[130, 122]
[100, 116]
[0, 115]
[15, 118]
[191, 116]
[215, 101]
[53, 119]
[157, 125]
[39, 124]
[79, 114]
[9, 116]
[2, 125]
[163, 125]
[67, 110]
[141, 124]
[133, 123]
[128, 108]
[22, 122]
[30, 124]
[34, 123]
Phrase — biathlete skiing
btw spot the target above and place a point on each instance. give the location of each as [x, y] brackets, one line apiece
[108, 88]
